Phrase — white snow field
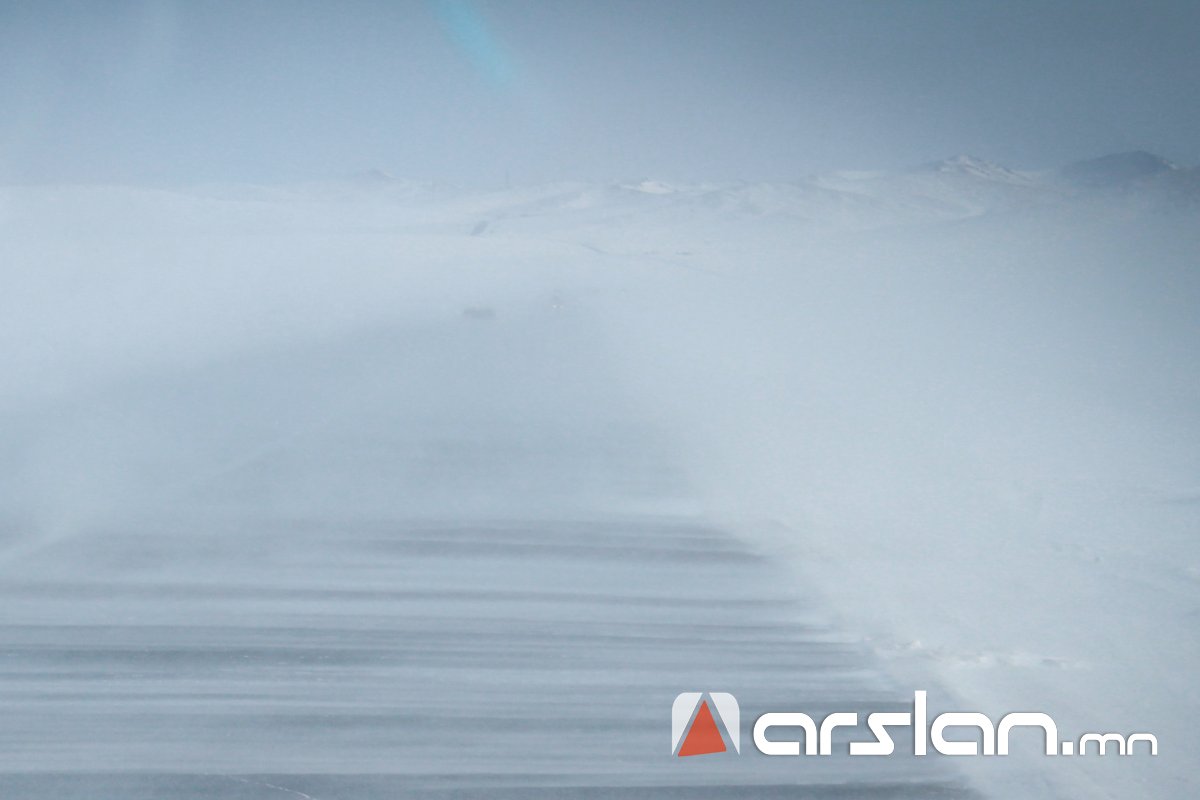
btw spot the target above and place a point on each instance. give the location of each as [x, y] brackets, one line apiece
[382, 489]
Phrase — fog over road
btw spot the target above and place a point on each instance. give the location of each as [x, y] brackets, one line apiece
[443, 560]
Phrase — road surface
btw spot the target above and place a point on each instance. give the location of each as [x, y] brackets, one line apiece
[449, 560]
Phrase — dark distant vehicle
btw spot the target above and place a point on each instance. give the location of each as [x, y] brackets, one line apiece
[479, 313]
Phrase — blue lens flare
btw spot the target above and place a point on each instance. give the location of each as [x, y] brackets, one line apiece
[469, 30]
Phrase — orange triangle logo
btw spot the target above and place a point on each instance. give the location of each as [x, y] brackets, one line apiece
[704, 737]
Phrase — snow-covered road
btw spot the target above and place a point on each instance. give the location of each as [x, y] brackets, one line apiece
[441, 561]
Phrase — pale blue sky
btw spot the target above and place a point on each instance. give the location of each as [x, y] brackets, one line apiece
[467, 92]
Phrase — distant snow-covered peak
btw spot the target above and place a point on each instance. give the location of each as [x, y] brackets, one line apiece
[650, 187]
[975, 167]
[1117, 169]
